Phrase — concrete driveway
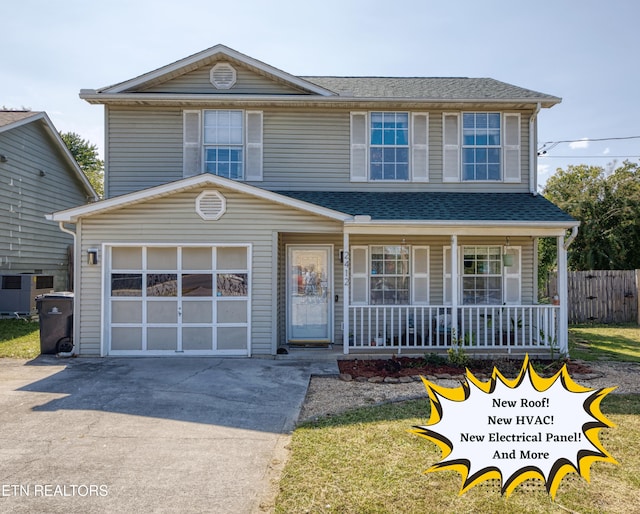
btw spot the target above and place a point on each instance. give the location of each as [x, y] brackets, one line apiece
[148, 434]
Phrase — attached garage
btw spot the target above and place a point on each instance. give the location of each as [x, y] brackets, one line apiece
[188, 268]
[161, 300]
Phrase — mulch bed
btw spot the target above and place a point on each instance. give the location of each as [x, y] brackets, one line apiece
[397, 367]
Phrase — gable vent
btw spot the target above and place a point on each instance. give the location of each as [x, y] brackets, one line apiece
[223, 75]
[211, 205]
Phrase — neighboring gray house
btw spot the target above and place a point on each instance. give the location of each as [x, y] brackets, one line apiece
[37, 176]
[249, 209]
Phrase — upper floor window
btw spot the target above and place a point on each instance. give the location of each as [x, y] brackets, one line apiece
[223, 143]
[227, 143]
[481, 146]
[481, 151]
[389, 146]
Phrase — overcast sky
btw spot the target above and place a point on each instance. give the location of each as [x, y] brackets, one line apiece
[584, 51]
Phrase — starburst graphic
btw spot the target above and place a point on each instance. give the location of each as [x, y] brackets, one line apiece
[514, 430]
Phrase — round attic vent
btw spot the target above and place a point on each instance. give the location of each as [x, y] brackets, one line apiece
[211, 205]
[223, 75]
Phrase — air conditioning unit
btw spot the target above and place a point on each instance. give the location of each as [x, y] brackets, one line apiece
[18, 292]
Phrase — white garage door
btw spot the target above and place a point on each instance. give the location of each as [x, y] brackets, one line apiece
[168, 300]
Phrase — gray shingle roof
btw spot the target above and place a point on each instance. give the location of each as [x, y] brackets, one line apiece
[9, 117]
[424, 88]
[437, 206]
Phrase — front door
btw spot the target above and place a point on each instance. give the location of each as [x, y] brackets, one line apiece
[309, 305]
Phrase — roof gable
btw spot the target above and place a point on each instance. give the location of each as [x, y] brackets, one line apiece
[186, 82]
[156, 80]
[205, 179]
[10, 120]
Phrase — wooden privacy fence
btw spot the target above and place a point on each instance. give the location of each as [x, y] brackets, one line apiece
[601, 296]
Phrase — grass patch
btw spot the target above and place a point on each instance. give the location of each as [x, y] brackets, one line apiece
[365, 461]
[605, 342]
[19, 339]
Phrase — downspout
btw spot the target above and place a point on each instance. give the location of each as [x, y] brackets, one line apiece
[572, 236]
[75, 283]
[533, 152]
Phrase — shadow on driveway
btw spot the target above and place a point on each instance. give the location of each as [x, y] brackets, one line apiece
[147, 435]
[254, 394]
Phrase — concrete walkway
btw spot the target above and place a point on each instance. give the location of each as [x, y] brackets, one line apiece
[146, 435]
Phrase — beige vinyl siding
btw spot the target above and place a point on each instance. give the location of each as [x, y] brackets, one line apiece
[306, 150]
[173, 220]
[302, 150]
[436, 245]
[144, 148]
[28, 242]
[247, 82]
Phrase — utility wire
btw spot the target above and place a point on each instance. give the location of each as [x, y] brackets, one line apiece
[589, 139]
[590, 156]
[543, 150]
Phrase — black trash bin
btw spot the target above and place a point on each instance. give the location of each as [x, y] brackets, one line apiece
[55, 311]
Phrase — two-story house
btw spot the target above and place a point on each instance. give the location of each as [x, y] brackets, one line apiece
[249, 209]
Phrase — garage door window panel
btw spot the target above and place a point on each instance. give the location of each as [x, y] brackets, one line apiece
[126, 284]
[197, 284]
[232, 284]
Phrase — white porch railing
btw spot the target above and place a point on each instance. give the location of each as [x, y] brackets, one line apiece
[416, 328]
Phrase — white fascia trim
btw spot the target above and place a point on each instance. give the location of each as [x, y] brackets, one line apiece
[412, 227]
[214, 51]
[53, 133]
[72, 215]
[98, 97]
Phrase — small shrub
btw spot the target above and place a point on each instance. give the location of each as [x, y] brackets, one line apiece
[433, 359]
[457, 356]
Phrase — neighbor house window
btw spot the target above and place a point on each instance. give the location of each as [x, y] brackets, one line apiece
[223, 143]
[482, 275]
[481, 146]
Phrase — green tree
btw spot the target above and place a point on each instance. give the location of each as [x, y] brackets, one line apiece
[86, 155]
[607, 203]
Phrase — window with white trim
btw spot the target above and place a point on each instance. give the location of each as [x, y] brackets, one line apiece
[389, 275]
[224, 142]
[481, 150]
[482, 275]
[389, 281]
[389, 146]
[481, 146]
[484, 278]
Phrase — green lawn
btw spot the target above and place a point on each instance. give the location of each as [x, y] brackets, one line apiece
[19, 339]
[605, 342]
[366, 461]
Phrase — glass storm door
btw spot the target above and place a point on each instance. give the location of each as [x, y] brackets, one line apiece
[309, 294]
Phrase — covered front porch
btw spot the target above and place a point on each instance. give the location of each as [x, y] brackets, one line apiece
[475, 289]
[489, 329]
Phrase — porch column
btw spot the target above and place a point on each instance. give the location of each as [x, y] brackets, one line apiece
[345, 291]
[563, 295]
[454, 286]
